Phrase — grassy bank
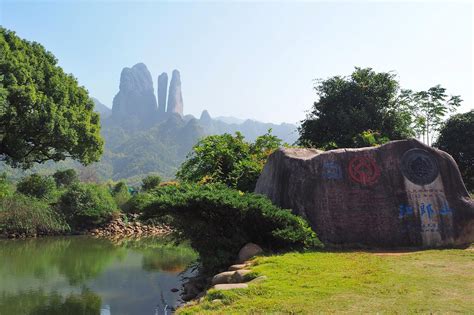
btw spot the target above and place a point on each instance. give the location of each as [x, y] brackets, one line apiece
[353, 282]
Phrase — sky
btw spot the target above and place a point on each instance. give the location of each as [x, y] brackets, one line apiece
[251, 59]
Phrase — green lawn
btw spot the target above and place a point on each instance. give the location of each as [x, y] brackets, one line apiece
[432, 281]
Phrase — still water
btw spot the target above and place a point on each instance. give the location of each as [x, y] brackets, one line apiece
[83, 275]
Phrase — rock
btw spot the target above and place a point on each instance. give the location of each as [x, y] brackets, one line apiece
[223, 277]
[136, 98]
[230, 286]
[403, 193]
[237, 267]
[205, 118]
[238, 276]
[162, 91]
[258, 279]
[248, 251]
[216, 301]
[175, 98]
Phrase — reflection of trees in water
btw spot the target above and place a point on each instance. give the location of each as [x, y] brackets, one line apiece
[78, 259]
[50, 303]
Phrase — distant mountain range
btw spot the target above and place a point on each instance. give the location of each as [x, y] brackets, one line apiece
[143, 135]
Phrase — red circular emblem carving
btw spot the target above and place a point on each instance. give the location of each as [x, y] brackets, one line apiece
[364, 170]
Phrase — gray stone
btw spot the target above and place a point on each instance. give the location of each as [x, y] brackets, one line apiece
[162, 92]
[258, 279]
[403, 193]
[248, 251]
[238, 276]
[175, 97]
[136, 97]
[223, 277]
[237, 267]
[230, 286]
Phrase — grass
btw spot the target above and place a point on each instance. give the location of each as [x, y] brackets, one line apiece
[432, 281]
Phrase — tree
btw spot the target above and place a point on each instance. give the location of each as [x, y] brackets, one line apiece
[150, 182]
[65, 178]
[229, 160]
[366, 101]
[37, 186]
[428, 110]
[44, 113]
[456, 137]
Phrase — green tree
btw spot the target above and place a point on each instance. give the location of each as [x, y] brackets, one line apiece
[65, 178]
[456, 137]
[44, 113]
[366, 101]
[150, 182]
[37, 186]
[429, 108]
[229, 160]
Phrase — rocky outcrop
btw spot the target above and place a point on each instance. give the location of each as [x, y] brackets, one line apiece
[403, 193]
[205, 118]
[175, 98]
[136, 98]
[162, 92]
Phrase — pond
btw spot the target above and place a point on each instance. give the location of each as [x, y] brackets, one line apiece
[83, 275]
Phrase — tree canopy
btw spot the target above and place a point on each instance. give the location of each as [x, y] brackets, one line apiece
[44, 113]
[456, 137]
[229, 160]
[366, 101]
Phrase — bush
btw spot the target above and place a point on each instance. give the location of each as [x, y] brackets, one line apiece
[86, 205]
[6, 188]
[23, 214]
[121, 195]
[218, 221]
[65, 178]
[150, 182]
[37, 186]
[229, 160]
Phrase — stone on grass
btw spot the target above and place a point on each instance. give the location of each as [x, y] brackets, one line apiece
[248, 251]
[239, 275]
[237, 267]
[258, 279]
[223, 277]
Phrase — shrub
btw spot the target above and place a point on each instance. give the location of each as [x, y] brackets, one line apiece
[6, 188]
[23, 214]
[86, 205]
[218, 221]
[37, 186]
[121, 195]
[65, 178]
[150, 182]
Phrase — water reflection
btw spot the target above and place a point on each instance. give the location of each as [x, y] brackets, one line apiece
[82, 275]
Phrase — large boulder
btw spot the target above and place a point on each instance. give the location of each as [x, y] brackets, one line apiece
[403, 193]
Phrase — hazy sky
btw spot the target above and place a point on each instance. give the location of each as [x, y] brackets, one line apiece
[249, 59]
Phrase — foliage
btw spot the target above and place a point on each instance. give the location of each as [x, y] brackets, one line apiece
[348, 106]
[44, 114]
[456, 137]
[352, 283]
[86, 205]
[6, 188]
[121, 195]
[23, 214]
[369, 138]
[229, 160]
[150, 182]
[65, 178]
[428, 109]
[37, 186]
[218, 221]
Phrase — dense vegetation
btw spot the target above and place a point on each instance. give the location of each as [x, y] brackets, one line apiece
[218, 221]
[457, 138]
[229, 160]
[44, 114]
[369, 108]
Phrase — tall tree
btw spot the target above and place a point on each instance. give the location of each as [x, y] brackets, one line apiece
[429, 108]
[350, 107]
[456, 137]
[44, 113]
